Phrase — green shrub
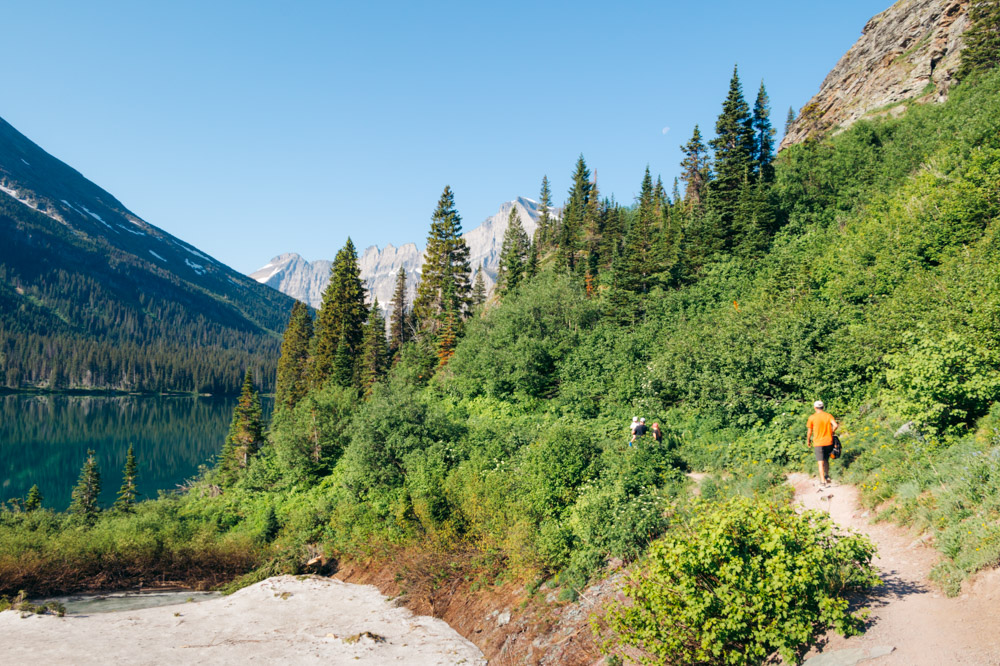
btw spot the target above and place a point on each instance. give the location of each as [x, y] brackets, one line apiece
[739, 581]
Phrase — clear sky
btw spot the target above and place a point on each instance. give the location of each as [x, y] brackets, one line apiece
[254, 128]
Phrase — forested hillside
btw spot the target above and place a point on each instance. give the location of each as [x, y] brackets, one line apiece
[861, 269]
[92, 297]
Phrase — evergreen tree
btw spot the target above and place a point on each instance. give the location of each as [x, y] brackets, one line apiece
[982, 40]
[734, 149]
[398, 319]
[763, 137]
[574, 212]
[85, 495]
[479, 289]
[343, 374]
[341, 315]
[374, 351]
[638, 263]
[531, 269]
[544, 218]
[34, 499]
[444, 283]
[789, 120]
[293, 366]
[513, 254]
[695, 166]
[447, 338]
[128, 493]
[675, 194]
[246, 432]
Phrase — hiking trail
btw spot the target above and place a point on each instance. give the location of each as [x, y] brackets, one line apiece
[912, 622]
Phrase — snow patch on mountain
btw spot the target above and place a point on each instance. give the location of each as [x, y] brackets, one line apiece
[157, 256]
[29, 203]
[197, 268]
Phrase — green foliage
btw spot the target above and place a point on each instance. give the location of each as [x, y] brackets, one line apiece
[34, 499]
[310, 439]
[513, 254]
[128, 493]
[85, 507]
[737, 581]
[982, 40]
[246, 433]
[445, 279]
[338, 330]
[293, 366]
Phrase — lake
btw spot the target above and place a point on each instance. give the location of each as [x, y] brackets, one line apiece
[44, 440]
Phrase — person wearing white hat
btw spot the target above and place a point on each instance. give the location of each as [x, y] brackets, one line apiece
[820, 428]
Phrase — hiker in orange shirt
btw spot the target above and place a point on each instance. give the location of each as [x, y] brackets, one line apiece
[820, 429]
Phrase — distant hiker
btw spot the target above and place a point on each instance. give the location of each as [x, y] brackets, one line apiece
[638, 431]
[657, 434]
[635, 423]
[820, 429]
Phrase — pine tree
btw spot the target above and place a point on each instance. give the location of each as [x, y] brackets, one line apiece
[398, 319]
[638, 263]
[34, 499]
[128, 493]
[86, 494]
[544, 218]
[763, 137]
[447, 338]
[343, 374]
[572, 222]
[341, 315]
[789, 120]
[479, 289]
[246, 432]
[293, 367]
[695, 167]
[513, 254]
[675, 194]
[374, 351]
[531, 269]
[734, 149]
[445, 282]
[982, 40]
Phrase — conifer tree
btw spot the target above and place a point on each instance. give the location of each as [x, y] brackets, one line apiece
[343, 374]
[398, 319]
[246, 432]
[445, 282]
[447, 338]
[695, 167]
[531, 269]
[479, 289]
[128, 493]
[86, 494]
[341, 315]
[675, 194]
[544, 218]
[34, 499]
[789, 120]
[374, 351]
[638, 263]
[763, 137]
[293, 366]
[734, 148]
[573, 216]
[982, 40]
[513, 254]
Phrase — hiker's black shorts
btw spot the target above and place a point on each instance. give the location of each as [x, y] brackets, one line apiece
[823, 452]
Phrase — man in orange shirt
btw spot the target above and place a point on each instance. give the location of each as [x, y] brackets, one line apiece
[820, 429]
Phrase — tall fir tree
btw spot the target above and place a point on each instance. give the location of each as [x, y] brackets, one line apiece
[982, 40]
[571, 225]
[531, 269]
[399, 320]
[344, 365]
[789, 120]
[341, 315]
[447, 337]
[734, 150]
[763, 137]
[445, 282]
[293, 366]
[34, 499]
[478, 288]
[246, 433]
[86, 495]
[374, 350]
[513, 254]
[675, 193]
[545, 221]
[695, 169]
[129, 491]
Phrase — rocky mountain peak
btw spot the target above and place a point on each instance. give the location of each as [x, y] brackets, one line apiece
[909, 51]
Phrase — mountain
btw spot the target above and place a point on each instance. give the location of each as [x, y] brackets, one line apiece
[92, 296]
[909, 51]
[304, 280]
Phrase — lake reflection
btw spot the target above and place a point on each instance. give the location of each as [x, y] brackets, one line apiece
[44, 440]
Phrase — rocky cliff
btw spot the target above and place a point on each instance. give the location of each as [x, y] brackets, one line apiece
[909, 51]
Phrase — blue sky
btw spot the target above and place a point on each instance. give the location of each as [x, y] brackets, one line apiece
[254, 128]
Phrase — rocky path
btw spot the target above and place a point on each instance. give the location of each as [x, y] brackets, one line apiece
[912, 622]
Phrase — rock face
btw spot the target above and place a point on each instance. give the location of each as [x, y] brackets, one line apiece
[292, 275]
[909, 51]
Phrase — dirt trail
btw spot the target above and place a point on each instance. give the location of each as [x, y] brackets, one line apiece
[908, 613]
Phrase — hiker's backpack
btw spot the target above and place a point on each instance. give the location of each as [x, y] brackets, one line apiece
[837, 451]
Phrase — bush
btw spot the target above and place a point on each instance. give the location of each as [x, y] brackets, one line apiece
[738, 581]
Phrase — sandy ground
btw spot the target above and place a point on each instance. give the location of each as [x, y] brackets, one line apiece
[909, 616]
[280, 620]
